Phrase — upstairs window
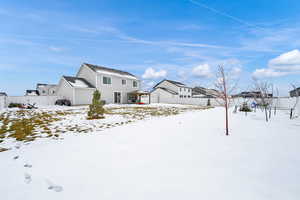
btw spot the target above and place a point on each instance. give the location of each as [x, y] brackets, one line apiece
[106, 80]
[123, 82]
[180, 89]
[134, 83]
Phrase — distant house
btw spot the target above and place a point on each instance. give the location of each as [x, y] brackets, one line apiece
[205, 92]
[32, 93]
[3, 94]
[295, 92]
[116, 86]
[251, 94]
[46, 89]
[168, 91]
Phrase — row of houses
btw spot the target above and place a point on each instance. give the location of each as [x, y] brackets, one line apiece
[122, 87]
[116, 86]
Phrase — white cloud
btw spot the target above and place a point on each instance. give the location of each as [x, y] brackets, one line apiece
[202, 71]
[268, 73]
[285, 64]
[150, 73]
[289, 61]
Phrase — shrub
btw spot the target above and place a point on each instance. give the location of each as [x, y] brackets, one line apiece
[15, 105]
[96, 110]
[245, 108]
[208, 102]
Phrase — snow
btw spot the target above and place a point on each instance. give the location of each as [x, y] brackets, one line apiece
[79, 83]
[186, 156]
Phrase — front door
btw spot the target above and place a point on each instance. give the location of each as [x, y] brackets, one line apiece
[117, 97]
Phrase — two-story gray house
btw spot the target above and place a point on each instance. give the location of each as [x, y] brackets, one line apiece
[116, 86]
[168, 91]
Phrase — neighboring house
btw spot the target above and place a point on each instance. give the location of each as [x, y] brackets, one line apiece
[32, 93]
[251, 94]
[77, 90]
[168, 91]
[3, 94]
[205, 92]
[295, 92]
[46, 89]
[116, 86]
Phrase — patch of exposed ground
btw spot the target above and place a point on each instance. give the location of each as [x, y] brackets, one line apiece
[28, 125]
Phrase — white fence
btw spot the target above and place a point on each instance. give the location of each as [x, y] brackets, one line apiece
[2, 102]
[38, 100]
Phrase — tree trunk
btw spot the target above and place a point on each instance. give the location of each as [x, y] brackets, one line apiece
[226, 111]
[266, 112]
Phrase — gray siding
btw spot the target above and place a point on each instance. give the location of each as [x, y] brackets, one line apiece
[65, 90]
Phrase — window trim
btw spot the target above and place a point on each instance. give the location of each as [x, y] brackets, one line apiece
[107, 78]
[133, 84]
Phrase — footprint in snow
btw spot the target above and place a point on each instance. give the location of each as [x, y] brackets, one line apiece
[54, 187]
[28, 165]
[16, 157]
[27, 178]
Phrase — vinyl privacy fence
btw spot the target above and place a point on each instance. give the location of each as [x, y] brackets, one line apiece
[37, 100]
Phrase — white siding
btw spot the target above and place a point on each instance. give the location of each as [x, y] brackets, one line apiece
[65, 90]
[88, 74]
[107, 90]
[162, 96]
[83, 96]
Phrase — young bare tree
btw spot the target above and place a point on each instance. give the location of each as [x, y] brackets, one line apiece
[264, 96]
[297, 95]
[225, 86]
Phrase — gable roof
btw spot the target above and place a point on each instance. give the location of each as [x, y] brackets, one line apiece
[3, 94]
[166, 89]
[97, 68]
[78, 82]
[173, 82]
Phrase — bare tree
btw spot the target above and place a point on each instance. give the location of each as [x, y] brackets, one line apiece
[297, 95]
[225, 87]
[263, 95]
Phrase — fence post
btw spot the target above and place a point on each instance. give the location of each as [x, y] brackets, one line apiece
[291, 113]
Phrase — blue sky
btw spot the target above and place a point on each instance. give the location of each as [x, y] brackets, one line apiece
[182, 40]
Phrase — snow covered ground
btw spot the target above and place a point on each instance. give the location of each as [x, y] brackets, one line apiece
[185, 156]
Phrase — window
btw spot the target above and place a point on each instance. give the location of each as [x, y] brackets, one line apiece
[123, 82]
[184, 96]
[43, 91]
[134, 84]
[184, 89]
[106, 80]
[180, 96]
[189, 96]
[180, 89]
[188, 90]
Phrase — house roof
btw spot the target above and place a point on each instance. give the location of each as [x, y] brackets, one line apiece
[44, 84]
[165, 89]
[98, 68]
[78, 82]
[32, 91]
[173, 82]
[3, 94]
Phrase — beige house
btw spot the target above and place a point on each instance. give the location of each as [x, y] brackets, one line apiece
[116, 86]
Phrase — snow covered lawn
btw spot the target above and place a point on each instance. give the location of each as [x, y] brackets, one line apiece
[185, 156]
[24, 126]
